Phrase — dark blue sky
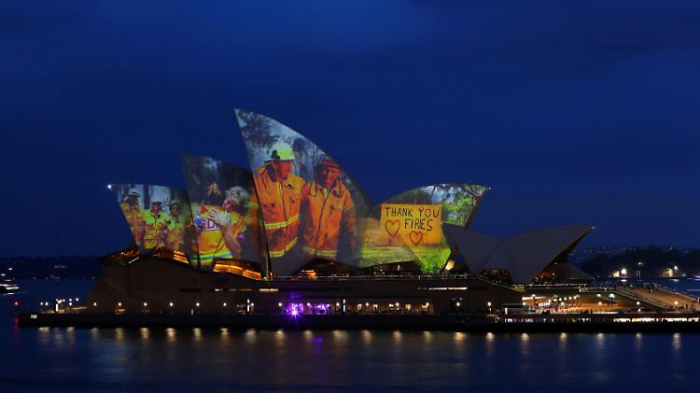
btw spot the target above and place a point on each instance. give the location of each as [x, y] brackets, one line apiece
[572, 111]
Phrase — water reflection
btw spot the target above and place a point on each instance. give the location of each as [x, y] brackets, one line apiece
[490, 343]
[171, 334]
[677, 357]
[601, 373]
[308, 336]
[340, 335]
[524, 347]
[95, 334]
[390, 359]
[562, 341]
[250, 336]
[145, 333]
[366, 337]
[224, 337]
[676, 342]
[638, 345]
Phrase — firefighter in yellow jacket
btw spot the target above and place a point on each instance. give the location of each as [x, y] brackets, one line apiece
[131, 207]
[155, 224]
[328, 213]
[279, 194]
[220, 224]
[177, 227]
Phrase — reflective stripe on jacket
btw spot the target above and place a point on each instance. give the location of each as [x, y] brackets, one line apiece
[154, 230]
[134, 217]
[326, 215]
[280, 203]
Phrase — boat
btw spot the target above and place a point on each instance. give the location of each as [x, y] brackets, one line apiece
[8, 284]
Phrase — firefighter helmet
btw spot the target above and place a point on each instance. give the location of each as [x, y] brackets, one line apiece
[328, 162]
[281, 151]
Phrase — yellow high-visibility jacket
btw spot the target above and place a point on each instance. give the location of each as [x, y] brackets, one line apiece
[280, 203]
[154, 227]
[325, 215]
[134, 217]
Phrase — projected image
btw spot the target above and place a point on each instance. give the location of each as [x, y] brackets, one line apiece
[309, 205]
[159, 217]
[409, 225]
[225, 210]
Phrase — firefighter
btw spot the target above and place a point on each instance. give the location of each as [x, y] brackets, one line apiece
[328, 213]
[131, 207]
[279, 195]
[177, 226]
[155, 225]
[219, 224]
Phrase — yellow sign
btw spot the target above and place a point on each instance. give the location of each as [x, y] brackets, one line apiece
[417, 225]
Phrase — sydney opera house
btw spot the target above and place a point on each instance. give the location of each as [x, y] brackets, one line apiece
[296, 234]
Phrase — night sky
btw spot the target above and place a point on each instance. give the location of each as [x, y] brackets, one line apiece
[572, 111]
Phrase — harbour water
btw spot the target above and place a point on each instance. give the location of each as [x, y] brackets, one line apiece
[68, 359]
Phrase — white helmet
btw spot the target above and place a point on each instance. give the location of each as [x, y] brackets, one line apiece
[281, 151]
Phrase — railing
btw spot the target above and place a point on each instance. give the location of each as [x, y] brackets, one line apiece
[375, 277]
[615, 289]
[645, 299]
[680, 293]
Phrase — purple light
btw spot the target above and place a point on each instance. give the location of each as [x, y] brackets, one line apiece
[295, 312]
